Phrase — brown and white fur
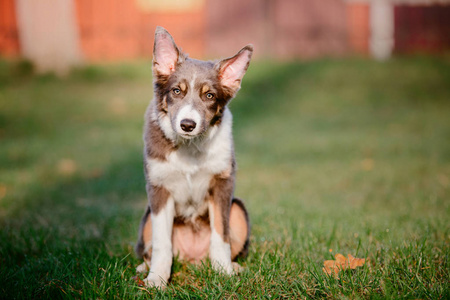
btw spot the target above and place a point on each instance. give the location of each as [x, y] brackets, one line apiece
[189, 163]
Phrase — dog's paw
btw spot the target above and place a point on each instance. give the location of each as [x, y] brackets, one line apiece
[142, 268]
[155, 281]
[224, 267]
[237, 268]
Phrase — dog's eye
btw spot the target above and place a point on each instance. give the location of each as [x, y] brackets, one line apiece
[176, 91]
[210, 96]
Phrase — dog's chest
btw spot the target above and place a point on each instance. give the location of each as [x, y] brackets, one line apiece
[187, 174]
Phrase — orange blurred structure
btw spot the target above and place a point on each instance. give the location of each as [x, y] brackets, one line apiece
[358, 27]
[116, 29]
[9, 37]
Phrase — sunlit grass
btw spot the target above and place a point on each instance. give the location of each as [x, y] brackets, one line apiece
[334, 156]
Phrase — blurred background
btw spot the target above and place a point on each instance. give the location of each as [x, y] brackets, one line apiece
[56, 34]
[341, 131]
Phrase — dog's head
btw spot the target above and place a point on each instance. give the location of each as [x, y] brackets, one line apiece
[193, 93]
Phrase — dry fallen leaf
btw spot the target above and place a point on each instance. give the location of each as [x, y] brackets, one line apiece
[3, 190]
[95, 173]
[138, 281]
[342, 263]
[367, 164]
[66, 167]
[355, 262]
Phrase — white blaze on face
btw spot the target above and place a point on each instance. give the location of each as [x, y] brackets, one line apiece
[188, 112]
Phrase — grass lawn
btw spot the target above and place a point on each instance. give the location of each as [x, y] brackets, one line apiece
[335, 156]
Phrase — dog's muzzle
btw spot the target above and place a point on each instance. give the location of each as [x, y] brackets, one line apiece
[188, 122]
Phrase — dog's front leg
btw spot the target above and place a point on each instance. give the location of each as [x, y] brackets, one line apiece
[162, 256]
[219, 214]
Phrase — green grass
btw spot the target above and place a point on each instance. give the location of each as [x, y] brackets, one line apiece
[335, 156]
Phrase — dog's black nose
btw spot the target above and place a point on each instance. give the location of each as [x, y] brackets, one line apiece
[187, 125]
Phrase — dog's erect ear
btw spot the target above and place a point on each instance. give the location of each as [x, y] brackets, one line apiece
[165, 53]
[232, 70]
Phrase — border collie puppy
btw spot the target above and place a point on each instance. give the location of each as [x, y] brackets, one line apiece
[189, 163]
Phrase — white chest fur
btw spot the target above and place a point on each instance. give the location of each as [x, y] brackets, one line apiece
[186, 173]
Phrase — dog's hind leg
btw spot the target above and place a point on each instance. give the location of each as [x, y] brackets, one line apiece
[239, 229]
[144, 244]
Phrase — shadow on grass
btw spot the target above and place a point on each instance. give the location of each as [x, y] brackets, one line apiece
[60, 235]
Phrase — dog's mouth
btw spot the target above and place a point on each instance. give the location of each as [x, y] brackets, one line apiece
[190, 136]
[191, 133]
[187, 136]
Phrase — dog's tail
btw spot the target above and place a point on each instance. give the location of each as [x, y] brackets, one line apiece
[244, 252]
